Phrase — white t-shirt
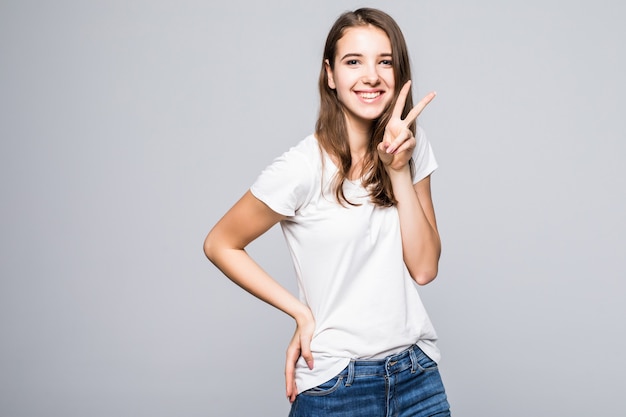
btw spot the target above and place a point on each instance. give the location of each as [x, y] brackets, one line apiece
[348, 262]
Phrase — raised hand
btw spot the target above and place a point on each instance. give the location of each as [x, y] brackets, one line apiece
[300, 345]
[398, 142]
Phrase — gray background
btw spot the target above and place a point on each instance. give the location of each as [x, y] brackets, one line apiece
[129, 127]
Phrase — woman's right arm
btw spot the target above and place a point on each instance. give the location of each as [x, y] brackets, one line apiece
[225, 246]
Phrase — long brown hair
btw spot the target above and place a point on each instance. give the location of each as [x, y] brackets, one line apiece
[331, 130]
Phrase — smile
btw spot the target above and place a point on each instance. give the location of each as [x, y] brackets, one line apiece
[369, 96]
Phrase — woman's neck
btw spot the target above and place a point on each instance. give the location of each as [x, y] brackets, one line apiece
[358, 139]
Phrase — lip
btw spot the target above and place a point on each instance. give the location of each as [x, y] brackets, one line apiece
[369, 96]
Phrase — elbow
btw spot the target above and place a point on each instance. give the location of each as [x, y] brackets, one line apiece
[425, 276]
[423, 269]
[209, 247]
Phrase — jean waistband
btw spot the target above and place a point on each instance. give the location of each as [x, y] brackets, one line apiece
[407, 359]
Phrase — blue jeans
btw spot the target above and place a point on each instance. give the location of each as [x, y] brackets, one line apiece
[401, 385]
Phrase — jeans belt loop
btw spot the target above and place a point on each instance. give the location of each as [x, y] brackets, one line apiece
[350, 379]
[413, 360]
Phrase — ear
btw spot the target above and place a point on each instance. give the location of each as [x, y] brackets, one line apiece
[329, 74]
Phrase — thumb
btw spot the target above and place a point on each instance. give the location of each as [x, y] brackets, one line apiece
[305, 352]
[382, 147]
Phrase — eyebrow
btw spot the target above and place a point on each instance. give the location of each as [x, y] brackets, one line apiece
[353, 54]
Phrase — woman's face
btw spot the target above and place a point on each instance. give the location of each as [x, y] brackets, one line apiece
[363, 74]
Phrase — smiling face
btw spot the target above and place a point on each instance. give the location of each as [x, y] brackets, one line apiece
[362, 74]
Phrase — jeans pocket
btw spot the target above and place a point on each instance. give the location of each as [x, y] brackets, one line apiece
[326, 388]
[424, 362]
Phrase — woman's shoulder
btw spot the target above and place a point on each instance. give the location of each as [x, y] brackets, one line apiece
[300, 160]
[288, 183]
[306, 151]
[308, 146]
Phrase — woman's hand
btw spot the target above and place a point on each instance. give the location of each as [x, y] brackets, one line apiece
[398, 142]
[300, 345]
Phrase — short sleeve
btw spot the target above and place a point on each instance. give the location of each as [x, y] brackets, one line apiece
[423, 157]
[286, 184]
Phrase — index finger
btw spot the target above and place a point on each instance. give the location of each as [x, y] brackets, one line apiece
[397, 109]
[419, 107]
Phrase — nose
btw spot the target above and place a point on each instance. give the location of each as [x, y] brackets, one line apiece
[370, 75]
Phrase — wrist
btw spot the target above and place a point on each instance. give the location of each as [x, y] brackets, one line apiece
[302, 314]
[401, 173]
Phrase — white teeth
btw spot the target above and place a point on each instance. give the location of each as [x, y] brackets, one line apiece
[370, 95]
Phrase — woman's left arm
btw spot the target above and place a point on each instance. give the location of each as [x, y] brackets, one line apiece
[421, 245]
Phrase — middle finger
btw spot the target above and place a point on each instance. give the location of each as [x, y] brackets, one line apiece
[404, 135]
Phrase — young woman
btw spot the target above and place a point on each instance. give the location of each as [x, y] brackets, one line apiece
[355, 206]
